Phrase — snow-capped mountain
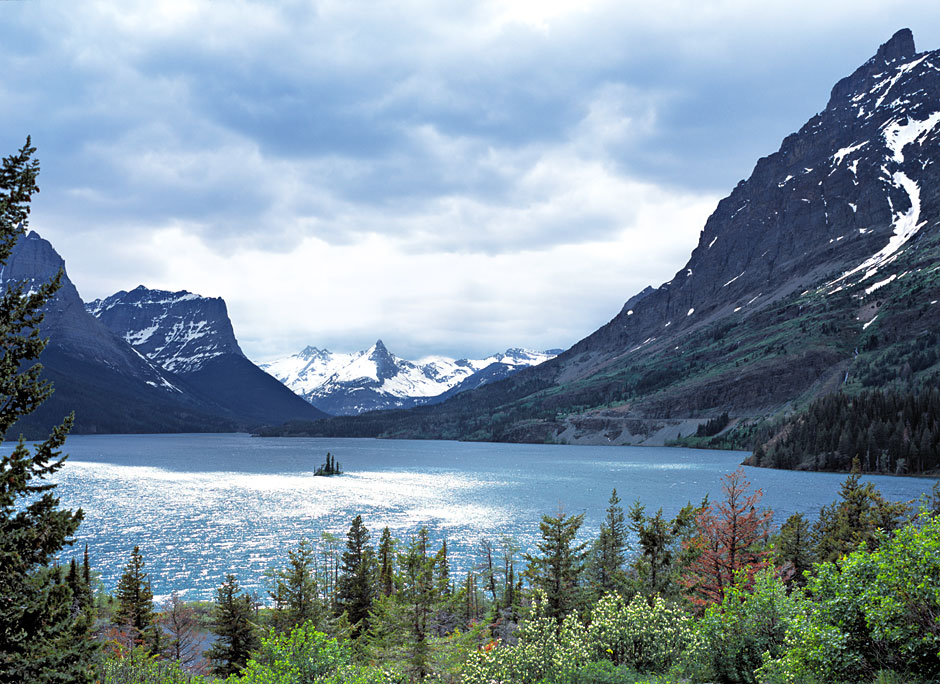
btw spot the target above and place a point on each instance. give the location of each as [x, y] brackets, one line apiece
[190, 337]
[349, 384]
[180, 331]
[817, 273]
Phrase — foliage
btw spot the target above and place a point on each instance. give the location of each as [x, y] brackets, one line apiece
[889, 431]
[642, 636]
[878, 611]
[135, 602]
[301, 655]
[138, 666]
[749, 625]
[357, 577]
[295, 592]
[232, 624]
[730, 539]
[659, 548]
[609, 550]
[181, 625]
[40, 638]
[557, 571]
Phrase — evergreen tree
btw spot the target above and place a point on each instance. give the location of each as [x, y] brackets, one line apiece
[609, 549]
[295, 592]
[135, 601]
[557, 570]
[659, 556]
[419, 595]
[793, 551]
[231, 623]
[357, 577]
[386, 561]
[39, 639]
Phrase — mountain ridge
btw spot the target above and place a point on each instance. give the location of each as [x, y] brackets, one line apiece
[811, 272]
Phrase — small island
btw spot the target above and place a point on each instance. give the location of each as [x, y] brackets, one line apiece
[329, 467]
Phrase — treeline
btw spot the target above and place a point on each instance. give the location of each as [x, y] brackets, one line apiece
[712, 594]
[887, 431]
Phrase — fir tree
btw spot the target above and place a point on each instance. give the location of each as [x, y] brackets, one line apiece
[295, 592]
[557, 570]
[231, 623]
[135, 601]
[356, 580]
[40, 640]
[386, 561]
[610, 548]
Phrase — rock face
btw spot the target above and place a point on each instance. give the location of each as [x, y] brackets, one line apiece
[375, 379]
[816, 273]
[180, 331]
[191, 338]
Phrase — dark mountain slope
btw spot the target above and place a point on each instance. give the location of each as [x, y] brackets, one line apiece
[812, 272]
[191, 339]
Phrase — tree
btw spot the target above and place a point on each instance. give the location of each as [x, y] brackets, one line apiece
[182, 628]
[356, 580]
[39, 639]
[731, 539]
[659, 548]
[135, 601]
[793, 551]
[295, 592]
[231, 623]
[609, 549]
[386, 562]
[856, 518]
[557, 571]
[419, 594]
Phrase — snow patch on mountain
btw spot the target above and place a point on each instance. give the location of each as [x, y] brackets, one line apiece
[375, 378]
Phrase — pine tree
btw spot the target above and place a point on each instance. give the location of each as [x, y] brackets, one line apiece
[557, 571]
[357, 577]
[231, 623]
[793, 551]
[295, 592]
[386, 560]
[135, 601]
[731, 539]
[419, 595]
[610, 548]
[659, 548]
[182, 629]
[39, 638]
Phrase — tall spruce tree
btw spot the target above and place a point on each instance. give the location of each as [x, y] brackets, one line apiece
[610, 548]
[557, 570]
[135, 602]
[357, 577]
[295, 591]
[40, 640]
[232, 624]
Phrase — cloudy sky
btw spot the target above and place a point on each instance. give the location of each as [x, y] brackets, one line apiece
[453, 177]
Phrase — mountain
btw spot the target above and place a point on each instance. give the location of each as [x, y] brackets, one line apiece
[350, 384]
[110, 386]
[191, 338]
[817, 273]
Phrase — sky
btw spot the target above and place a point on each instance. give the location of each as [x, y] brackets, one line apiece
[452, 177]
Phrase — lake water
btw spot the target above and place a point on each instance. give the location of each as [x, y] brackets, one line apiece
[200, 506]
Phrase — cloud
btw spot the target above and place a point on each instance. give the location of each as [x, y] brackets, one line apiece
[450, 175]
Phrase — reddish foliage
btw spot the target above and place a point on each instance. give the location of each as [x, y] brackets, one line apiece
[730, 541]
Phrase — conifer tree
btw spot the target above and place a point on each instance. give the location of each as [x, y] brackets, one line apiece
[232, 624]
[557, 570]
[419, 595]
[386, 561]
[731, 539]
[39, 639]
[182, 629]
[610, 547]
[295, 592]
[135, 601]
[357, 577]
[793, 551]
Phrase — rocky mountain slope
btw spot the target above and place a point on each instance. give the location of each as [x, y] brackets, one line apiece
[350, 384]
[191, 339]
[818, 272]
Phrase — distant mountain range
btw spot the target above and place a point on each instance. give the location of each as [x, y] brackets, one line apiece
[153, 361]
[819, 272]
[350, 384]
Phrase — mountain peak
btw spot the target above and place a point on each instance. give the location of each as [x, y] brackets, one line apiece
[899, 46]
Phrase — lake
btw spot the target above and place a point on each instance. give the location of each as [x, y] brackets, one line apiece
[200, 506]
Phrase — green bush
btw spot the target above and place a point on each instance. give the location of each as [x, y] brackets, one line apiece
[140, 667]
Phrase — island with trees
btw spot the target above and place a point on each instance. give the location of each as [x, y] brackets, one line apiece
[330, 467]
